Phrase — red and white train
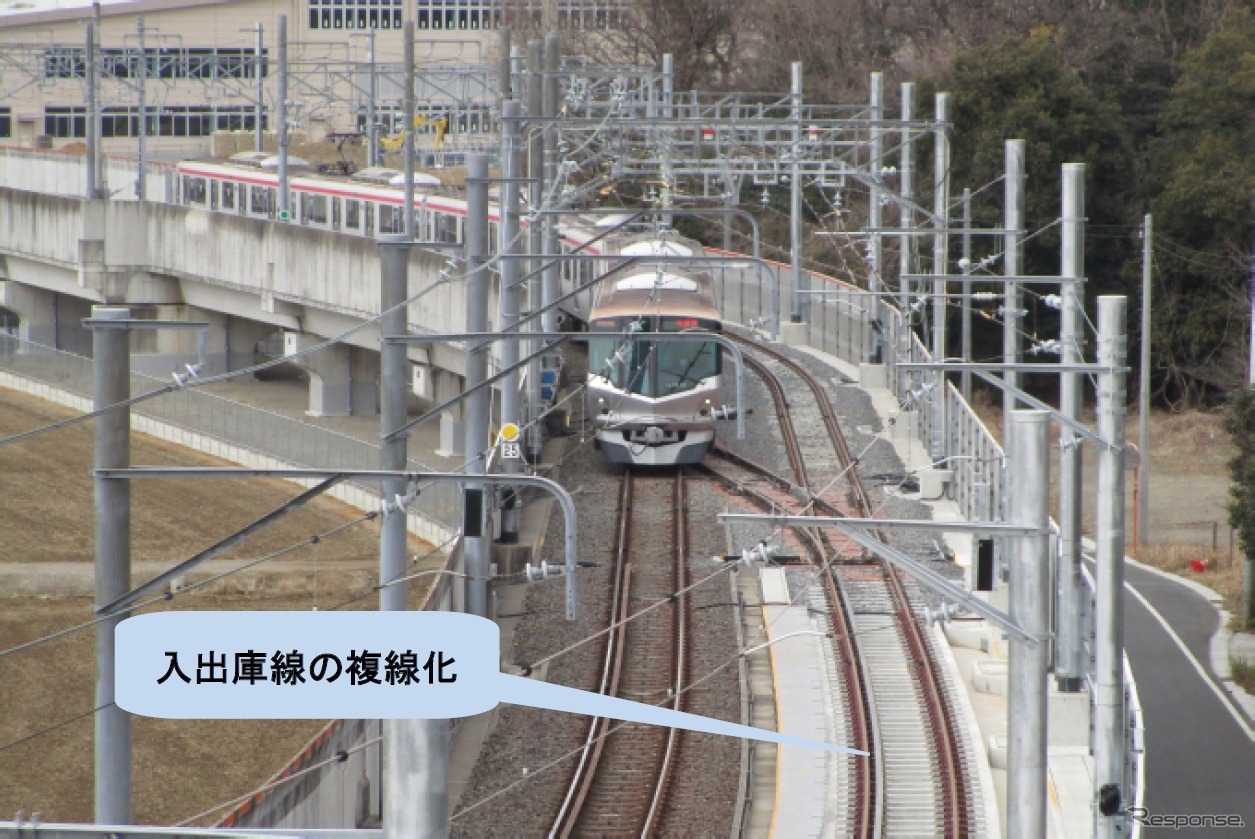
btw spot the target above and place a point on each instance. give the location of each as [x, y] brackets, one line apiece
[651, 401]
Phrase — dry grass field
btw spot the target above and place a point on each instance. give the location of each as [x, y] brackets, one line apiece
[46, 554]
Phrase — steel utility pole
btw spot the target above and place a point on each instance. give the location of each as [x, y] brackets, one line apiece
[93, 115]
[112, 384]
[508, 354]
[372, 119]
[965, 385]
[552, 281]
[875, 246]
[1142, 534]
[1069, 582]
[285, 196]
[415, 772]
[476, 539]
[259, 126]
[408, 145]
[535, 231]
[141, 182]
[1029, 468]
[1109, 710]
[801, 279]
[940, 443]
[1013, 210]
[906, 216]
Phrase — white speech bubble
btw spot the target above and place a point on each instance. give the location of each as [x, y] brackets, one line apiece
[356, 665]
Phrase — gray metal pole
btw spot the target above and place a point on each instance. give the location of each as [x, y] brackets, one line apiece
[476, 539]
[1142, 536]
[372, 118]
[1029, 468]
[411, 229]
[508, 352]
[552, 282]
[141, 181]
[259, 129]
[415, 783]
[1069, 583]
[535, 231]
[1013, 211]
[112, 384]
[966, 267]
[801, 280]
[668, 85]
[1109, 723]
[875, 254]
[906, 216]
[941, 259]
[394, 380]
[93, 112]
[505, 68]
[285, 195]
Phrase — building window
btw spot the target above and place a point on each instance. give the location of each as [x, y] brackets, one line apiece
[6, 122]
[355, 14]
[166, 121]
[65, 121]
[163, 63]
[458, 14]
[459, 119]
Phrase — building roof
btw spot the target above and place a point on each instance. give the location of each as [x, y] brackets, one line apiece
[23, 12]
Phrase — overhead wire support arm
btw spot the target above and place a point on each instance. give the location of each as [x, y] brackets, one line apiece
[565, 501]
[925, 576]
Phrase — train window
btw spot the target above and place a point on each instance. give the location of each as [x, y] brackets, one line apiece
[315, 209]
[193, 190]
[352, 214]
[682, 366]
[213, 195]
[390, 220]
[447, 228]
[228, 195]
[335, 213]
[259, 200]
[370, 219]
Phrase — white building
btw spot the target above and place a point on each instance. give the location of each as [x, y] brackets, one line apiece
[203, 60]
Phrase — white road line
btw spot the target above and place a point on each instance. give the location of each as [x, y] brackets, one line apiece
[1203, 674]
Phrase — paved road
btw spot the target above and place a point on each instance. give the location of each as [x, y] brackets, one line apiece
[1199, 758]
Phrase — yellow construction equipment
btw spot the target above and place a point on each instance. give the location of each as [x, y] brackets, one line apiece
[397, 141]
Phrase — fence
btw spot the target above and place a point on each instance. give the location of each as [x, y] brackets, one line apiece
[851, 325]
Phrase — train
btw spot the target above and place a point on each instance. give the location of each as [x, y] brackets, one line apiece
[652, 403]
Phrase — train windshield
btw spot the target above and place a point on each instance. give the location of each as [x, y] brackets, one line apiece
[682, 364]
[625, 363]
[650, 368]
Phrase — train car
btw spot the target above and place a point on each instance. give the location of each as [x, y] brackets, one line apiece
[653, 403]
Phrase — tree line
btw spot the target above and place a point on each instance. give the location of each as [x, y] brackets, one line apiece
[1156, 97]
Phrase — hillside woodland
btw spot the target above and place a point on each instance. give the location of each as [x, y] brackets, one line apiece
[1156, 97]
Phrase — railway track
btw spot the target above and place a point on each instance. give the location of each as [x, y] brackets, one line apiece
[624, 775]
[894, 693]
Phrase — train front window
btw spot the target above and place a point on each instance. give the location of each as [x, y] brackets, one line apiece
[683, 365]
[627, 364]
